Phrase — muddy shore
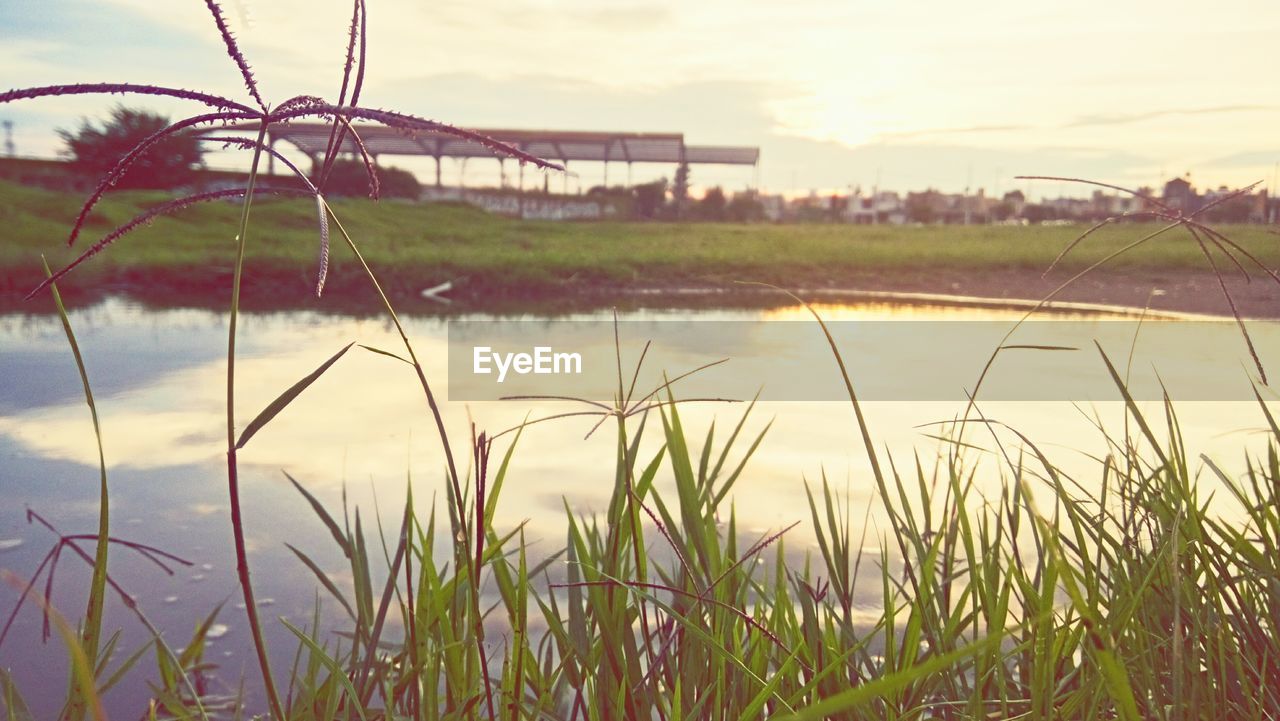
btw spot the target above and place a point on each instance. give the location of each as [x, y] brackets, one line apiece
[347, 291]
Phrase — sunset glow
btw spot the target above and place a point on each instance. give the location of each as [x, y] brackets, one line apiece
[910, 94]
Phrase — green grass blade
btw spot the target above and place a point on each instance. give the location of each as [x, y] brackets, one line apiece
[280, 403]
[336, 672]
[891, 683]
[15, 706]
[334, 530]
[98, 584]
[323, 578]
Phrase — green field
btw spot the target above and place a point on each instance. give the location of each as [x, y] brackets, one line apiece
[414, 246]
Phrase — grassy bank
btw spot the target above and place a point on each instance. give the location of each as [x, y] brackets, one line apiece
[415, 246]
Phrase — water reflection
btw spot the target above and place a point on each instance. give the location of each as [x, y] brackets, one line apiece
[159, 377]
[159, 380]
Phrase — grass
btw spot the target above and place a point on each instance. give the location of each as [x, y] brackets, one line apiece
[414, 246]
[81, 691]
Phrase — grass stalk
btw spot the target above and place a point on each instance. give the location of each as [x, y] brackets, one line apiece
[92, 631]
[413, 356]
[233, 480]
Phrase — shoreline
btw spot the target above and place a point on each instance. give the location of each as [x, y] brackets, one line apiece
[1177, 292]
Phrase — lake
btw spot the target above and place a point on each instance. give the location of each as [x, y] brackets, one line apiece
[364, 429]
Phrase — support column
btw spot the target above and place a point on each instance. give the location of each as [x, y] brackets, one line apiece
[438, 184]
[521, 194]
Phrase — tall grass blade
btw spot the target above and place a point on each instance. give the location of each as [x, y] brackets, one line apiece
[233, 477]
[336, 672]
[339, 536]
[98, 584]
[280, 403]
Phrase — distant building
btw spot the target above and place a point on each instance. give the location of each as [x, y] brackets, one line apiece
[775, 207]
[1180, 195]
[877, 208]
[931, 206]
[1229, 207]
[1108, 205]
[1068, 208]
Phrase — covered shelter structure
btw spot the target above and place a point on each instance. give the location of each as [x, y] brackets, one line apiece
[564, 146]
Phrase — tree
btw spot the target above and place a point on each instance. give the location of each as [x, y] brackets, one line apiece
[745, 207]
[1036, 214]
[169, 163]
[650, 197]
[350, 178]
[836, 207]
[680, 188]
[713, 205]
[919, 206]
[1237, 210]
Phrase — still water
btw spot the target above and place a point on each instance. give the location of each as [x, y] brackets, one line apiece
[159, 375]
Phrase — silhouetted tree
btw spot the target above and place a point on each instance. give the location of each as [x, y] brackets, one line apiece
[1236, 210]
[650, 197]
[1036, 213]
[169, 163]
[680, 189]
[919, 207]
[350, 178]
[713, 205]
[745, 208]
[836, 207]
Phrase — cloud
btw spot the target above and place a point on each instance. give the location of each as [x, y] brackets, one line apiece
[749, 73]
[933, 132]
[1084, 121]
[738, 113]
[628, 18]
[709, 112]
[1127, 118]
[1250, 159]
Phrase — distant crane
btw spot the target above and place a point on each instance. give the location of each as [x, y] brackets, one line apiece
[8, 138]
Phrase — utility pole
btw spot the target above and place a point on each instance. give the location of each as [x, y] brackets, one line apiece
[1275, 193]
[875, 197]
[968, 202]
[8, 138]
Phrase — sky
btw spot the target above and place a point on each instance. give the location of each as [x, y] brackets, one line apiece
[837, 94]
